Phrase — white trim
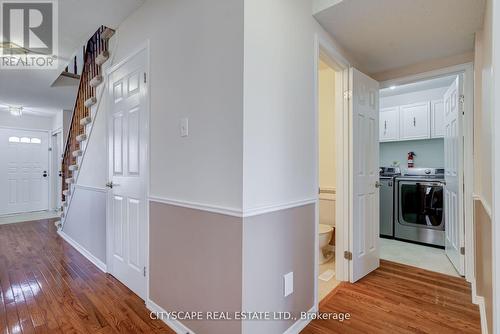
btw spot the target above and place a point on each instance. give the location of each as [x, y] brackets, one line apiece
[228, 211]
[479, 300]
[300, 324]
[98, 263]
[90, 188]
[324, 47]
[485, 205]
[175, 325]
[277, 207]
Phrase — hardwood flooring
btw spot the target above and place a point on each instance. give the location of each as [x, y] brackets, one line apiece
[398, 298]
[46, 286]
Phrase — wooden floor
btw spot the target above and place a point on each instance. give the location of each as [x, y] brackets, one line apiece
[400, 299]
[46, 286]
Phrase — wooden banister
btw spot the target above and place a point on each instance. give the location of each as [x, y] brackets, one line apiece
[95, 45]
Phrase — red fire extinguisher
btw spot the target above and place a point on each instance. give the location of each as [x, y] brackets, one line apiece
[410, 159]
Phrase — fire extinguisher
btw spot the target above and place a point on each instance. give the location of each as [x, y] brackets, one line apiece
[410, 159]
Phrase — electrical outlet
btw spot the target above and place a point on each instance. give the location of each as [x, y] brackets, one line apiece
[288, 284]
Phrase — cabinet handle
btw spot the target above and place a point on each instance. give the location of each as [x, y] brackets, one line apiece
[414, 121]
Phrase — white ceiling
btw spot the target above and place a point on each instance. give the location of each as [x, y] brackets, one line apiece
[418, 86]
[78, 20]
[386, 34]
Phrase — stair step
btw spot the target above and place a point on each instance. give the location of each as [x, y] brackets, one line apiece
[69, 180]
[77, 153]
[81, 137]
[62, 215]
[90, 102]
[86, 120]
[102, 58]
[96, 81]
[107, 34]
[73, 167]
[65, 203]
[66, 192]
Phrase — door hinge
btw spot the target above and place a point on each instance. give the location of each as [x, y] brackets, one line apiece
[145, 77]
[347, 255]
[144, 272]
[462, 250]
[461, 99]
[348, 94]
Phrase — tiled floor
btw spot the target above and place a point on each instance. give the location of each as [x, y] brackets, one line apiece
[28, 216]
[324, 288]
[424, 257]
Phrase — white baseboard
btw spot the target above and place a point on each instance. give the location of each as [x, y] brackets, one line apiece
[98, 263]
[479, 301]
[175, 325]
[300, 324]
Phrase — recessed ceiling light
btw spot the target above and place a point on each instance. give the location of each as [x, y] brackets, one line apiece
[392, 87]
[16, 111]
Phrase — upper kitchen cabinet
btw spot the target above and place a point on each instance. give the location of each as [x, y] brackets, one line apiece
[437, 119]
[389, 124]
[415, 121]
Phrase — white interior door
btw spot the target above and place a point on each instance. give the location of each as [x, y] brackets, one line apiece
[453, 194]
[364, 232]
[127, 142]
[24, 166]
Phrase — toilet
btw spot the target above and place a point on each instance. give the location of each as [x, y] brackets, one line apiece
[325, 235]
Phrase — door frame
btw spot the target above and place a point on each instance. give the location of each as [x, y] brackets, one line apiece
[147, 177]
[324, 48]
[467, 70]
[53, 177]
[49, 157]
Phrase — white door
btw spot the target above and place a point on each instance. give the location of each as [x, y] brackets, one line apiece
[364, 232]
[127, 142]
[453, 162]
[415, 121]
[389, 124]
[437, 119]
[24, 166]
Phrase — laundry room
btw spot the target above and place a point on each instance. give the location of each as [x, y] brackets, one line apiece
[412, 130]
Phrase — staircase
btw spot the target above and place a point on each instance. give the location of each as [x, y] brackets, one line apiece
[89, 91]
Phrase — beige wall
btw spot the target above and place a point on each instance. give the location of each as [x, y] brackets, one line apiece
[196, 264]
[483, 109]
[327, 170]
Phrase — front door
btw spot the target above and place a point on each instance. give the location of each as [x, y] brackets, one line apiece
[24, 167]
[453, 162]
[364, 232]
[128, 163]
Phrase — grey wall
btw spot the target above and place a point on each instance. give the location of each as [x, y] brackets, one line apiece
[430, 152]
[275, 244]
[195, 261]
[86, 221]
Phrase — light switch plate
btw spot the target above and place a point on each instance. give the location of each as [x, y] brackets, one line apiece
[184, 127]
[288, 284]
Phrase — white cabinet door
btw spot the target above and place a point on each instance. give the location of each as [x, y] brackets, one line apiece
[415, 121]
[389, 124]
[437, 119]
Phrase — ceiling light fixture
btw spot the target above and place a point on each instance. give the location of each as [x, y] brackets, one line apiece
[392, 87]
[16, 111]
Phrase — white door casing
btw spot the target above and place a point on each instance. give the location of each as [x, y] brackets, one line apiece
[24, 167]
[453, 161]
[127, 165]
[364, 230]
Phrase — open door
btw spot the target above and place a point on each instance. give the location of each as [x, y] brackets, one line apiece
[453, 162]
[364, 230]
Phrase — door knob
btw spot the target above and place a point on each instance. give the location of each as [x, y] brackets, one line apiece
[109, 185]
[378, 184]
